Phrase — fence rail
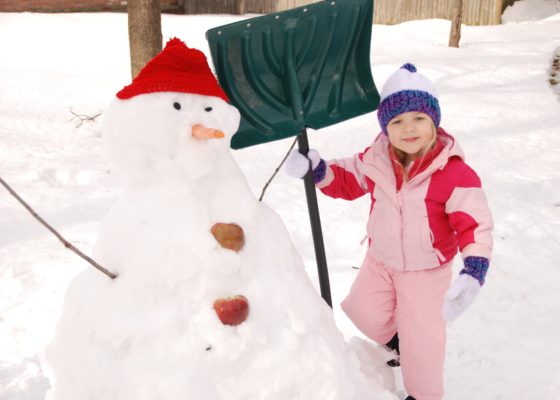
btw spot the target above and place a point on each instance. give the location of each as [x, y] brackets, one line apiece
[475, 12]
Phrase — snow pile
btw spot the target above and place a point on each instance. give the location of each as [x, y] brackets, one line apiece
[530, 10]
[152, 333]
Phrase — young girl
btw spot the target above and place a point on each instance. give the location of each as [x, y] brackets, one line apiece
[426, 203]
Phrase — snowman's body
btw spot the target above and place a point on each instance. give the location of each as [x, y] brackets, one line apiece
[152, 332]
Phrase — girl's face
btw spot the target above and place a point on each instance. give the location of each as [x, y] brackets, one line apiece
[411, 132]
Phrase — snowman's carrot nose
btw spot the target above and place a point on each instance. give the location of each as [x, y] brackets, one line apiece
[199, 131]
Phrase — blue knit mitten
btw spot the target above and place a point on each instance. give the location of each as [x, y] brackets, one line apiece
[465, 288]
[476, 267]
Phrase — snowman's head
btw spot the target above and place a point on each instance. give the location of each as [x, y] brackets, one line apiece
[168, 132]
[172, 117]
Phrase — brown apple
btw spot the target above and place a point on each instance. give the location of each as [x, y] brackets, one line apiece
[233, 310]
[229, 236]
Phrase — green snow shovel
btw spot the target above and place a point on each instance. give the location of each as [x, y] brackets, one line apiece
[304, 67]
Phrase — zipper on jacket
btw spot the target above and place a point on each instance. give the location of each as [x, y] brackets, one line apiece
[400, 204]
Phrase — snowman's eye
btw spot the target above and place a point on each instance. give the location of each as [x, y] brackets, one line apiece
[208, 109]
[177, 106]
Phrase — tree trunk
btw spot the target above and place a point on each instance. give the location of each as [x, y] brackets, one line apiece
[144, 32]
[456, 18]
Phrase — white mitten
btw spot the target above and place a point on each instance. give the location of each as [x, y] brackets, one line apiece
[460, 296]
[297, 164]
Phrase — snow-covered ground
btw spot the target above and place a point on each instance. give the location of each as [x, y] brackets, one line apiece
[495, 99]
[530, 10]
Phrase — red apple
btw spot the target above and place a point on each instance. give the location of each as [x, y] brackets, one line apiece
[233, 310]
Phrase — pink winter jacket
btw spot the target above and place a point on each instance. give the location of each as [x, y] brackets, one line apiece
[421, 225]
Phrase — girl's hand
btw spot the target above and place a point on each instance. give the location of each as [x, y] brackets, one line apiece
[463, 291]
[297, 164]
[460, 296]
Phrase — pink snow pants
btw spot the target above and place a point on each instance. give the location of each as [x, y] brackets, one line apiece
[383, 301]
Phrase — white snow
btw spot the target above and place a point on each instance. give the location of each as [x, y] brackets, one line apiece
[495, 99]
[530, 10]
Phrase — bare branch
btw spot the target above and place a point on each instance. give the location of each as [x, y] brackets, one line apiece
[277, 169]
[83, 117]
[67, 244]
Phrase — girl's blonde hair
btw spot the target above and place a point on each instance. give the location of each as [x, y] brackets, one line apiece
[405, 159]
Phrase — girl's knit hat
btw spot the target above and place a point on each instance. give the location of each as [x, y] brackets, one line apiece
[407, 90]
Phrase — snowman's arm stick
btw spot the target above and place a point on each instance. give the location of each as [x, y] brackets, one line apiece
[277, 169]
[66, 243]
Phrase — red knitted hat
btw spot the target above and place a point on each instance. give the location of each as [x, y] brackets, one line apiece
[175, 69]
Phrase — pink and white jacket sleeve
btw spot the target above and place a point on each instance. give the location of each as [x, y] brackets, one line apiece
[343, 179]
[470, 216]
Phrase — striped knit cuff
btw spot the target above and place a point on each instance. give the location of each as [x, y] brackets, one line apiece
[475, 267]
[320, 171]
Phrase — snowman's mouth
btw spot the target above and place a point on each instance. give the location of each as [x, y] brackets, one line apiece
[201, 132]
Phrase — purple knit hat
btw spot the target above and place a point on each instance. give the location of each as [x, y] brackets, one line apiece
[406, 90]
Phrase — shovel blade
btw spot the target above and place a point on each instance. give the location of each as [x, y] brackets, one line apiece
[304, 67]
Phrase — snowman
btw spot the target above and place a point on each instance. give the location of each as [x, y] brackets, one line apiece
[211, 300]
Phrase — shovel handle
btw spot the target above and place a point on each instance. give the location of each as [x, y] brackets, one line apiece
[313, 208]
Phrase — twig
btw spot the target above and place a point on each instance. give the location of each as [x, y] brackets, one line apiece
[67, 244]
[277, 169]
[83, 117]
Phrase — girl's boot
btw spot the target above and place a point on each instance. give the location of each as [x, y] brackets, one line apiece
[393, 346]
